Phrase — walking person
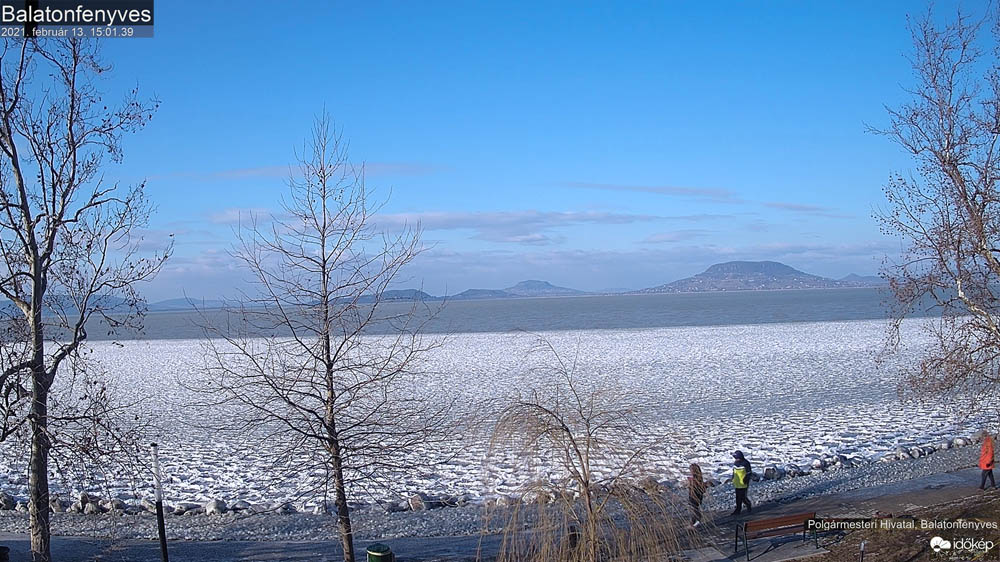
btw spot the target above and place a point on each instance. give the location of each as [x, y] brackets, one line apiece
[741, 481]
[696, 493]
[986, 461]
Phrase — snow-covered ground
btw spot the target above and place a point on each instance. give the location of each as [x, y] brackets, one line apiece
[783, 393]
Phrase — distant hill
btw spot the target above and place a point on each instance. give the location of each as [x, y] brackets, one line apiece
[481, 294]
[402, 295]
[524, 289]
[533, 288]
[729, 276]
[753, 276]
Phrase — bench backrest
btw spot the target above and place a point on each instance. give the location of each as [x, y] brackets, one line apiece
[797, 520]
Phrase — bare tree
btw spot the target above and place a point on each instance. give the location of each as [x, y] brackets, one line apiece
[14, 350]
[313, 363]
[946, 212]
[69, 240]
[604, 505]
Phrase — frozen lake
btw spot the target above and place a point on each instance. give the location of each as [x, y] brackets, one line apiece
[780, 392]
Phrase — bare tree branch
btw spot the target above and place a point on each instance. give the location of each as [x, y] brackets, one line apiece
[947, 214]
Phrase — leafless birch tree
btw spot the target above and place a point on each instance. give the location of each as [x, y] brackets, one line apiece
[947, 212]
[69, 238]
[299, 364]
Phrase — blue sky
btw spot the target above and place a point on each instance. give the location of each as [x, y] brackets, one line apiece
[594, 145]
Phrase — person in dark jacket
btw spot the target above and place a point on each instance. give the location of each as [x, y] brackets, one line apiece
[696, 493]
[741, 481]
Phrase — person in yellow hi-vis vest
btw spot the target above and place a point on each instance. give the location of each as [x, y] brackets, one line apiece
[741, 481]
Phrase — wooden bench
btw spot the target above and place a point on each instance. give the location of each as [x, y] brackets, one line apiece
[773, 527]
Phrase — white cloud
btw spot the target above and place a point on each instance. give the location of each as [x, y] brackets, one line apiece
[801, 208]
[676, 236]
[518, 227]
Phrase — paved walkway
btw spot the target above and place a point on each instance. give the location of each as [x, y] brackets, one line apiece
[77, 549]
[899, 498]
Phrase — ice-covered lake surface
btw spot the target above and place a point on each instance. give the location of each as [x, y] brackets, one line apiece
[782, 393]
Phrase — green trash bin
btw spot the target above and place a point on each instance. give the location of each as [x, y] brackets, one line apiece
[379, 552]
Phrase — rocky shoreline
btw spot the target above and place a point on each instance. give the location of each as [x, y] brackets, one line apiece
[427, 516]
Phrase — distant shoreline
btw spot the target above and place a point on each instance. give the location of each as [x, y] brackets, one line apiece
[632, 311]
[638, 293]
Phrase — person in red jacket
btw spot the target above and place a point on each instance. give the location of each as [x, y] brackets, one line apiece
[986, 461]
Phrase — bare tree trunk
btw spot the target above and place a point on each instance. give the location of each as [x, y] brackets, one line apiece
[38, 475]
[38, 470]
[340, 489]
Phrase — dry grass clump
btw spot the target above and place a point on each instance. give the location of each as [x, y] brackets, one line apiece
[601, 505]
[626, 523]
